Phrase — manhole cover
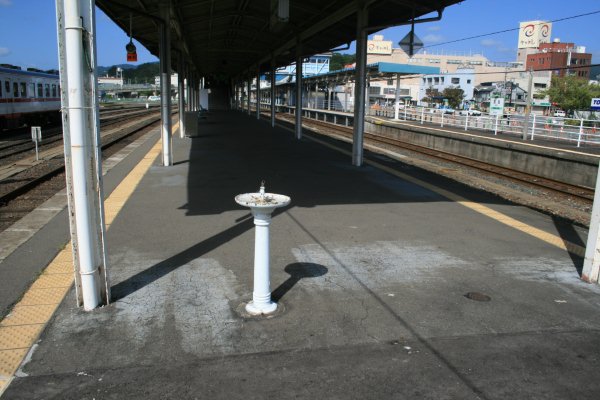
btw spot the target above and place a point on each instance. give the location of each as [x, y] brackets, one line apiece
[477, 296]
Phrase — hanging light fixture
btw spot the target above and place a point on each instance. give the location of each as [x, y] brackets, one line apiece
[130, 47]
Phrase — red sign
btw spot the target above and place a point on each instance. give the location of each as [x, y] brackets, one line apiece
[131, 57]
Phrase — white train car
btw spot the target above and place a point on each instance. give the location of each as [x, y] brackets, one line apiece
[28, 97]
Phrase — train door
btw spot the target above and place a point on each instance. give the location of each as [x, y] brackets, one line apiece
[11, 90]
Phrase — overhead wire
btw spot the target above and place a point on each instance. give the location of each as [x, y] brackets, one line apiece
[512, 29]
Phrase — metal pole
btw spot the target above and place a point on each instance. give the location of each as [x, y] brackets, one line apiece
[299, 96]
[397, 105]
[181, 91]
[533, 127]
[360, 84]
[165, 84]
[496, 125]
[84, 182]
[528, 107]
[273, 94]
[187, 87]
[580, 133]
[467, 121]
[258, 93]
[591, 261]
[249, 88]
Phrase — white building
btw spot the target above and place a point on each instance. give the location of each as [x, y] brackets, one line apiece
[463, 78]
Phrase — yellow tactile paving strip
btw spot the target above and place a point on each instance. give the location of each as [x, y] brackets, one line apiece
[480, 208]
[22, 327]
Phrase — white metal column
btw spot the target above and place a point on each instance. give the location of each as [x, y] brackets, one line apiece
[299, 60]
[591, 262]
[397, 105]
[81, 134]
[249, 87]
[359, 87]
[258, 94]
[165, 83]
[181, 95]
[272, 94]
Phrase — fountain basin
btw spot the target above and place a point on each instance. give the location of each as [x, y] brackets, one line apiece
[262, 202]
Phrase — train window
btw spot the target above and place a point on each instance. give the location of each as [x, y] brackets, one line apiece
[31, 90]
[7, 87]
[23, 89]
[47, 86]
[40, 90]
[0, 89]
[53, 90]
[15, 89]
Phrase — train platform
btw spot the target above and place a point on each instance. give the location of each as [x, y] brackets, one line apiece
[392, 282]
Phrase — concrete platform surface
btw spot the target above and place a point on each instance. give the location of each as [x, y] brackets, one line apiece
[370, 271]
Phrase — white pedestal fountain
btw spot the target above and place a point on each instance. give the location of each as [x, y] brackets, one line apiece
[262, 206]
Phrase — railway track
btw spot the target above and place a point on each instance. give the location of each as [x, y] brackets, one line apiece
[23, 191]
[52, 136]
[581, 193]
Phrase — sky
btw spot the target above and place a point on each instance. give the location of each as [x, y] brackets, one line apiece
[28, 30]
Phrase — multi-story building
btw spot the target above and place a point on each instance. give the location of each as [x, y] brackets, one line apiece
[463, 78]
[562, 58]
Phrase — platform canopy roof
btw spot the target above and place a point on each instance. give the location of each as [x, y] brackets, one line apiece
[232, 38]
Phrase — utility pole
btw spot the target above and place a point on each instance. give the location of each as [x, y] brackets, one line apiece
[528, 106]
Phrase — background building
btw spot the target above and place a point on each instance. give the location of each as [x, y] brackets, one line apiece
[563, 58]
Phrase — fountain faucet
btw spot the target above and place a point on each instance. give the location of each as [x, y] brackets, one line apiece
[262, 189]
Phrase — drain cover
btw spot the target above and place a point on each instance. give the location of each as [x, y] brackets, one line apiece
[477, 296]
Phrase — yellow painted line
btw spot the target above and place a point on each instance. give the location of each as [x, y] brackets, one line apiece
[540, 234]
[489, 138]
[21, 328]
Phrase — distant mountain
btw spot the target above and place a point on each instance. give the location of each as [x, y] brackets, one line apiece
[143, 73]
[103, 70]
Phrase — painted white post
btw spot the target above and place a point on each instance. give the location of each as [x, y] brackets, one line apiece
[422, 114]
[165, 84]
[82, 154]
[36, 136]
[397, 96]
[533, 127]
[360, 86]
[181, 91]
[298, 116]
[467, 121]
[262, 205]
[496, 125]
[258, 93]
[248, 88]
[273, 94]
[580, 133]
[405, 108]
[591, 261]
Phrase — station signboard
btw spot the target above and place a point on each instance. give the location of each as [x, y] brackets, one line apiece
[497, 106]
[379, 47]
[595, 104]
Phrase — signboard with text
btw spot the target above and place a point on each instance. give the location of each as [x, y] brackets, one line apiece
[595, 104]
[532, 33]
[379, 47]
[497, 106]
